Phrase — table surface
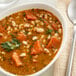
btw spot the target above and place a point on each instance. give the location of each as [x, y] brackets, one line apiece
[49, 72]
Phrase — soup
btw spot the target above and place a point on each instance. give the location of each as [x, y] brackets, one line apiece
[29, 40]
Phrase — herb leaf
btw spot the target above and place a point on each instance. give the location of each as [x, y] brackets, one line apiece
[13, 36]
[56, 31]
[32, 9]
[41, 19]
[49, 31]
[24, 14]
[6, 46]
[10, 45]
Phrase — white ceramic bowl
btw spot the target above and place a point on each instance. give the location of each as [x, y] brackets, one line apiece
[40, 6]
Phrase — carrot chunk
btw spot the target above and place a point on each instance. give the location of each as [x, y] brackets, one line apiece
[54, 26]
[36, 48]
[54, 42]
[16, 59]
[30, 17]
[21, 37]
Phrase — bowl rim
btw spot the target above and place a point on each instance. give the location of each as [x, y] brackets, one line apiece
[63, 40]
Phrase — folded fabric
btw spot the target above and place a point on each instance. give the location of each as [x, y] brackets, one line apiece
[60, 65]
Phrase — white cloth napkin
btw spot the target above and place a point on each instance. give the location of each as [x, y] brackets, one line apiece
[60, 66]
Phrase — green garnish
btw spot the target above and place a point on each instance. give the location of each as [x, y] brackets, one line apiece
[24, 14]
[13, 36]
[26, 32]
[56, 20]
[49, 31]
[11, 45]
[30, 56]
[32, 9]
[31, 46]
[7, 24]
[56, 31]
[41, 19]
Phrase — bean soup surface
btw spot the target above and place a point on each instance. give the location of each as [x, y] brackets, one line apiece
[29, 40]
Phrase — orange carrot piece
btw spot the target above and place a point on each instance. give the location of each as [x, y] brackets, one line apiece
[21, 37]
[30, 17]
[36, 48]
[16, 59]
[54, 42]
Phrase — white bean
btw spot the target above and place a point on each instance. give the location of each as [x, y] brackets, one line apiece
[13, 23]
[33, 22]
[27, 25]
[46, 50]
[48, 37]
[34, 38]
[46, 16]
[25, 42]
[56, 35]
[29, 33]
[22, 54]
[39, 30]
[59, 30]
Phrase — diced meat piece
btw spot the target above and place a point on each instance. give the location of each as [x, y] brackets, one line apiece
[36, 48]
[54, 42]
[54, 26]
[21, 36]
[16, 59]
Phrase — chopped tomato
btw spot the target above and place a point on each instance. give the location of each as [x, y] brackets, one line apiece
[21, 36]
[16, 59]
[54, 42]
[54, 26]
[36, 48]
[46, 22]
